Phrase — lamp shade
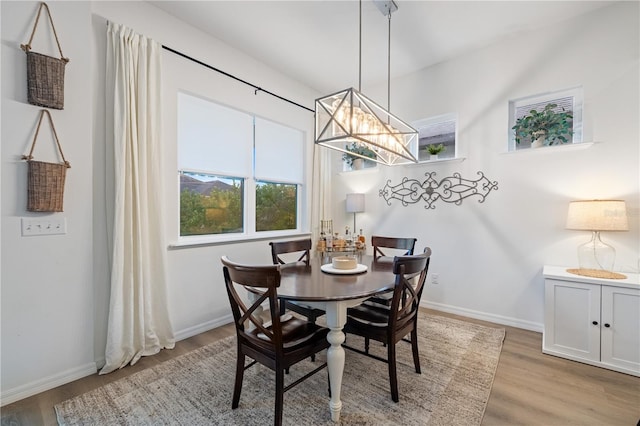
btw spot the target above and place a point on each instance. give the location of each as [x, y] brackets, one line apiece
[355, 203]
[597, 215]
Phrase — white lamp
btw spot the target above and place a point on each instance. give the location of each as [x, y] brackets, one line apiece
[355, 204]
[596, 216]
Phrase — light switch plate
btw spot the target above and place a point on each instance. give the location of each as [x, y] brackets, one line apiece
[54, 225]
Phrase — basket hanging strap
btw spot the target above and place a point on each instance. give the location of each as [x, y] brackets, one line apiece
[55, 134]
[27, 47]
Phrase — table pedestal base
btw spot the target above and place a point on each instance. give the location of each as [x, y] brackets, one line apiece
[336, 318]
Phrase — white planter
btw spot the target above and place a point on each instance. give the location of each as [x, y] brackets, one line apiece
[358, 164]
[433, 157]
[539, 142]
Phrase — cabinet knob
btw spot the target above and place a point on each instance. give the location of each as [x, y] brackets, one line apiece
[607, 325]
[595, 323]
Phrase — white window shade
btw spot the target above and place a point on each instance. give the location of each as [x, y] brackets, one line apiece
[213, 138]
[279, 152]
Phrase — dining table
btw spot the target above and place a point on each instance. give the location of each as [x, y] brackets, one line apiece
[335, 292]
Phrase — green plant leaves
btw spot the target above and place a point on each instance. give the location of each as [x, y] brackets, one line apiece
[357, 148]
[557, 126]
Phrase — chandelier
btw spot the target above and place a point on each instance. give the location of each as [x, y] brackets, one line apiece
[348, 119]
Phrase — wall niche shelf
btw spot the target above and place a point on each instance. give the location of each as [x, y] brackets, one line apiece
[439, 160]
[553, 148]
[361, 171]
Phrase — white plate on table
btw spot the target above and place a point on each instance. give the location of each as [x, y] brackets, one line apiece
[328, 268]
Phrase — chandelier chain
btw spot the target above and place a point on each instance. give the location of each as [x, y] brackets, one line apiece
[389, 65]
[360, 50]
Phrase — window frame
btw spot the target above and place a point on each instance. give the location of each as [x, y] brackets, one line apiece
[576, 93]
[433, 120]
[249, 195]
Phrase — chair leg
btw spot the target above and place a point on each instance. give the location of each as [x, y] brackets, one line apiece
[366, 345]
[277, 420]
[393, 377]
[283, 306]
[414, 348]
[313, 321]
[237, 388]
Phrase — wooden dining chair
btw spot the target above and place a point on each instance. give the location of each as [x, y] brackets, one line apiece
[390, 324]
[276, 345]
[303, 248]
[403, 246]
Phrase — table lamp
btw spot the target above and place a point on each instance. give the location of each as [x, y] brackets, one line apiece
[597, 216]
[355, 204]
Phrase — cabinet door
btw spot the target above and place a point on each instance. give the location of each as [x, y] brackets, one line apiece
[572, 320]
[621, 328]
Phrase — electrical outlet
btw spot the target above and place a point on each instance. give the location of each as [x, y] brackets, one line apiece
[38, 226]
[435, 279]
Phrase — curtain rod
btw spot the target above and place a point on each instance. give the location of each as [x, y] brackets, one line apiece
[257, 88]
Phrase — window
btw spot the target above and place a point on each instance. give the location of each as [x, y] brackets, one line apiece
[439, 132]
[276, 206]
[234, 177]
[561, 102]
[210, 204]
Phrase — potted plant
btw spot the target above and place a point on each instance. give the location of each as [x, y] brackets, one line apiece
[545, 127]
[353, 161]
[434, 150]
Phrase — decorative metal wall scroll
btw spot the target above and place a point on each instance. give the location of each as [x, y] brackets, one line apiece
[451, 189]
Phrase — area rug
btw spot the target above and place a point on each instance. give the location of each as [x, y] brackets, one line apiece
[458, 361]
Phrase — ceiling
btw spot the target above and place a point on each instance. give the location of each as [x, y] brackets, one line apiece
[316, 42]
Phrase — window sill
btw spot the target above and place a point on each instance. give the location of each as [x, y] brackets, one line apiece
[365, 170]
[205, 240]
[554, 148]
[439, 160]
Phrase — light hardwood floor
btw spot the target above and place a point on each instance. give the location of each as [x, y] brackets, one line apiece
[530, 388]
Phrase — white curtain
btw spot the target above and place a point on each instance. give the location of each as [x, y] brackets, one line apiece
[321, 205]
[139, 323]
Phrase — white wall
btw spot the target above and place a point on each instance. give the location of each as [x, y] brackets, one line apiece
[490, 256]
[47, 285]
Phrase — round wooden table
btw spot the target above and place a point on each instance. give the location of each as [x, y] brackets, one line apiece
[334, 294]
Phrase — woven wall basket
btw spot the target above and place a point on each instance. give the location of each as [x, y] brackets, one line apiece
[45, 181]
[45, 74]
[45, 186]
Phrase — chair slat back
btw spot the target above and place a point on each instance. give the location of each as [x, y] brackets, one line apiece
[260, 277]
[406, 244]
[406, 294]
[294, 246]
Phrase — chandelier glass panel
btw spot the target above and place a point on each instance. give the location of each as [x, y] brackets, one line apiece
[347, 118]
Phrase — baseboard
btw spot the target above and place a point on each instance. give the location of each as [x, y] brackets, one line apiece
[498, 319]
[201, 328]
[46, 383]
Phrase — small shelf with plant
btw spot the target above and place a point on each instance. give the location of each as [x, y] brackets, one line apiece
[543, 128]
[357, 162]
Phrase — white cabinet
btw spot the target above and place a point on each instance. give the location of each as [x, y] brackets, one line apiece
[592, 320]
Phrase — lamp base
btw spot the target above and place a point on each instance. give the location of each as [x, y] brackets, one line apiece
[596, 255]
